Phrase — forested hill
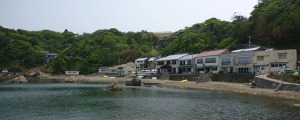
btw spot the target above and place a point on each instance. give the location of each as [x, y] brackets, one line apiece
[273, 24]
[85, 52]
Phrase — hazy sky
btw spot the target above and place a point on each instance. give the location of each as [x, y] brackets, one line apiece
[88, 16]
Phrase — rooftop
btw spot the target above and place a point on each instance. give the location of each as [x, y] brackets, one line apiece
[188, 57]
[248, 49]
[211, 53]
[141, 59]
[152, 59]
[171, 57]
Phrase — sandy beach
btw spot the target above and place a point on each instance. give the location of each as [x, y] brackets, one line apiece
[220, 86]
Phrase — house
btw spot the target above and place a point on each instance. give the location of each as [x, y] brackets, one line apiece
[274, 60]
[208, 60]
[112, 71]
[72, 72]
[187, 64]
[141, 63]
[102, 70]
[152, 63]
[168, 64]
[50, 57]
[239, 61]
[126, 69]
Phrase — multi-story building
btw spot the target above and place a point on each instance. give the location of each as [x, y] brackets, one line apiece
[208, 60]
[151, 63]
[168, 64]
[239, 61]
[187, 64]
[274, 60]
[142, 63]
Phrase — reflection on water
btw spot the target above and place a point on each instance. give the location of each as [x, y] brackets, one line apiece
[92, 101]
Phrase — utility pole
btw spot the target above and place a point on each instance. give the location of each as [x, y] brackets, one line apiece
[250, 40]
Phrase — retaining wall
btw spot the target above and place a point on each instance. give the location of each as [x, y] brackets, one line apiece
[183, 77]
[264, 83]
[237, 78]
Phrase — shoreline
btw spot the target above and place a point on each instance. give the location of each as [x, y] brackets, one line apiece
[212, 85]
[218, 86]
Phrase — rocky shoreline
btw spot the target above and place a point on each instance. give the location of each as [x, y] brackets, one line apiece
[219, 86]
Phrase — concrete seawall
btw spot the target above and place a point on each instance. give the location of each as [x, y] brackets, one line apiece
[263, 82]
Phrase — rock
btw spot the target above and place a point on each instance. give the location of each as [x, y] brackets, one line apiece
[20, 79]
[69, 80]
[114, 87]
[134, 82]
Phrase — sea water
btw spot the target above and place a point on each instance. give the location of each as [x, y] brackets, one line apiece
[51, 101]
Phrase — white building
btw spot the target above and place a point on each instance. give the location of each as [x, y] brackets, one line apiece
[208, 60]
[239, 61]
[168, 64]
[187, 64]
[141, 63]
[72, 72]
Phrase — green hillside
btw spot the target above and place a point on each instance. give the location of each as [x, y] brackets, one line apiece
[273, 24]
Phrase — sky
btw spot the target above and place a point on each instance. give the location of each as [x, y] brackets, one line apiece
[87, 16]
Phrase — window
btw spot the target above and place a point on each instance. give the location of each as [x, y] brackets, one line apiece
[277, 65]
[282, 55]
[226, 61]
[168, 62]
[243, 60]
[173, 61]
[199, 61]
[189, 62]
[243, 70]
[160, 63]
[260, 58]
[210, 60]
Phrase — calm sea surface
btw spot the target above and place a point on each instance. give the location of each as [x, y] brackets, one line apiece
[52, 101]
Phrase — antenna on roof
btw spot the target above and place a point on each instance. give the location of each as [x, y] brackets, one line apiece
[250, 40]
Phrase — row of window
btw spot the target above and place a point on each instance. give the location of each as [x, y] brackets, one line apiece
[185, 62]
[278, 65]
[207, 60]
[168, 62]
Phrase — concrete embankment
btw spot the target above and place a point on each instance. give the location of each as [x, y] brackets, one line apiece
[270, 83]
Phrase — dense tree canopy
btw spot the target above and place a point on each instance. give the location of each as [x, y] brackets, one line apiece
[276, 23]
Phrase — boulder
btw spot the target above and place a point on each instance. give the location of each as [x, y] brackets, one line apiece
[20, 79]
[114, 86]
[134, 82]
[70, 80]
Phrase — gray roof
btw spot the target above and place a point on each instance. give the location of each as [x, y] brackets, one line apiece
[188, 57]
[171, 57]
[141, 59]
[152, 59]
[249, 49]
[103, 67]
